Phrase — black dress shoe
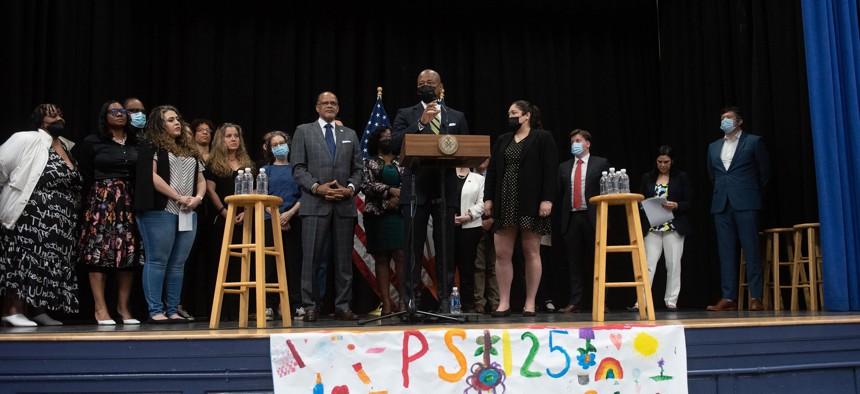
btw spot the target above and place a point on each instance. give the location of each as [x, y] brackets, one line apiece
[310, 316]
[529, 313]
[345, 314]
[504, 313]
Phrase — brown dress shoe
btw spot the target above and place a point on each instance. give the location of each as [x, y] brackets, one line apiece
[570, 308]
[345, 314]
[724, 305]
[479, 309]
[310, 316]
[756, 305]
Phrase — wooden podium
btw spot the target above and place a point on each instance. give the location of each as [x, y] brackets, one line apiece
[436, 153]
[471, 150]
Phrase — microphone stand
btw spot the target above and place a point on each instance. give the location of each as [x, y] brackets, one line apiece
[412, 312]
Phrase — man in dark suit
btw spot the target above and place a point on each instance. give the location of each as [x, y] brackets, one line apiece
[739, 167]
[429, 116]
[327, 165]
[578, 181]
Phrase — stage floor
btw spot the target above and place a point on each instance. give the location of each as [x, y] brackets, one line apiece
[690, 319]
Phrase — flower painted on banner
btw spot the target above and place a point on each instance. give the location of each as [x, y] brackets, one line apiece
[586, 360]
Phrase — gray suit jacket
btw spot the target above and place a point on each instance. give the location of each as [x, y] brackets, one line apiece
[312, 163]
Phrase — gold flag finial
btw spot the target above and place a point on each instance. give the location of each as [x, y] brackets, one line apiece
[379, 91]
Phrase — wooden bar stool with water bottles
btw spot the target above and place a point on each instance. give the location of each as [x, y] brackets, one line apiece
[636, 248]
[253, 242]
[807, 271]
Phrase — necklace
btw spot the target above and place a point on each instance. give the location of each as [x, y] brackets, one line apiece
[462, 176]
[120, 141]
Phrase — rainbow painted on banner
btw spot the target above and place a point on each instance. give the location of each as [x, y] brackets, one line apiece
[609, 368]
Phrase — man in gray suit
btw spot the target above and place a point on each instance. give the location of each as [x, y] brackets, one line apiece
[739, 166]
[327, 166]
[578, 218]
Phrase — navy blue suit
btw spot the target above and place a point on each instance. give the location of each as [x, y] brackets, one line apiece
[736, 203]
[427, 195]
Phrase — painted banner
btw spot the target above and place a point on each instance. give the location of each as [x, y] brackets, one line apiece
[588, 360]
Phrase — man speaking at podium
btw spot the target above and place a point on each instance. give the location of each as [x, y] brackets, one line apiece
[429, 116]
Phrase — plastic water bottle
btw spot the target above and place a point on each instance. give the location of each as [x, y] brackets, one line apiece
[262, 182]
[248, 181]
[624, 182]
[239, 183]
[455, 301]
[612, 182]
[603, 181]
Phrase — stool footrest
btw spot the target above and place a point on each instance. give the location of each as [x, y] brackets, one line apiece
[237, 284]
[241, 246]
[621, 248]
[625, 284]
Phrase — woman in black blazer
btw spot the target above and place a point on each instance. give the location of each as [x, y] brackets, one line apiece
[518, 194]
[668, 237]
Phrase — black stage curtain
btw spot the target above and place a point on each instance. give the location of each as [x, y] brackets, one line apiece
[637, 74]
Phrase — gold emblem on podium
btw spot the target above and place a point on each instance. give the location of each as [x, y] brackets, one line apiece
[448, 144]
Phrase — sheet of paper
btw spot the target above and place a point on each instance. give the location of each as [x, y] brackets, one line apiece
[655, 212]
[185, 222]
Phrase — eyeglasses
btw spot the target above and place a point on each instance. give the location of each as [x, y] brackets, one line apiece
[325, 103]
[134, 110]
[209, 131]
[117, 112]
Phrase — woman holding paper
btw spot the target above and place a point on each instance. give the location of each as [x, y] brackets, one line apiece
[668, 237]
[169, 186]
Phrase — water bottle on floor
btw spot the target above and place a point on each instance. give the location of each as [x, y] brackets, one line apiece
[455, 301]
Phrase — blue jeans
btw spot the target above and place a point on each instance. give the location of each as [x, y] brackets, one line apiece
[166, 249]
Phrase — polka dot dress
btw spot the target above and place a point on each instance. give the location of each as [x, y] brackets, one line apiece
[508, 214]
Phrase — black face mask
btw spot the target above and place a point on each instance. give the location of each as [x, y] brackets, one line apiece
[514, 123]
[427, 93]
[385, 147]
[56, 129]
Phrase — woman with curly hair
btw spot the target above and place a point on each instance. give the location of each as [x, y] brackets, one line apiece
[168, 189]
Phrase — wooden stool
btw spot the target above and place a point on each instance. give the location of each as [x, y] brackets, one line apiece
[636, 248]
[775, 262]
[253, 241]
[806, 277]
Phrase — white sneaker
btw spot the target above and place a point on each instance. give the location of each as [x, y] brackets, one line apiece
[19, 320]
[300, 311]
[550, 307]
[270, 314]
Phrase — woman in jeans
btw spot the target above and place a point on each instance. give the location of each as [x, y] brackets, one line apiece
[168, 189]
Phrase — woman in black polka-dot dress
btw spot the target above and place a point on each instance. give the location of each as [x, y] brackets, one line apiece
[521, 182]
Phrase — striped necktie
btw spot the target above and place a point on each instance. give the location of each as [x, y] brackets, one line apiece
[435, 125]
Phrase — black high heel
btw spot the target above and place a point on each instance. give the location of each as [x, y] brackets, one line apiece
[529, 313]
[504, 313]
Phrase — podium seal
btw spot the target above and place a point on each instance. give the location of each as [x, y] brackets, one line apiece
[448, 144]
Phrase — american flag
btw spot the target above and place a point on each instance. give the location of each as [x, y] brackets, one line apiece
[377, 118]
[362, 260]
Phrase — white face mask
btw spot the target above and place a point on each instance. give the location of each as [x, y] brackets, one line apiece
[727, 125]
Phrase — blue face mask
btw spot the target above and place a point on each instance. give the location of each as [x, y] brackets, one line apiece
[727, 125]
[576, 148]
[138, 120]
[281, 151]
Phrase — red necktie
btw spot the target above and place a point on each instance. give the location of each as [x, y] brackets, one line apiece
[577, 185]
